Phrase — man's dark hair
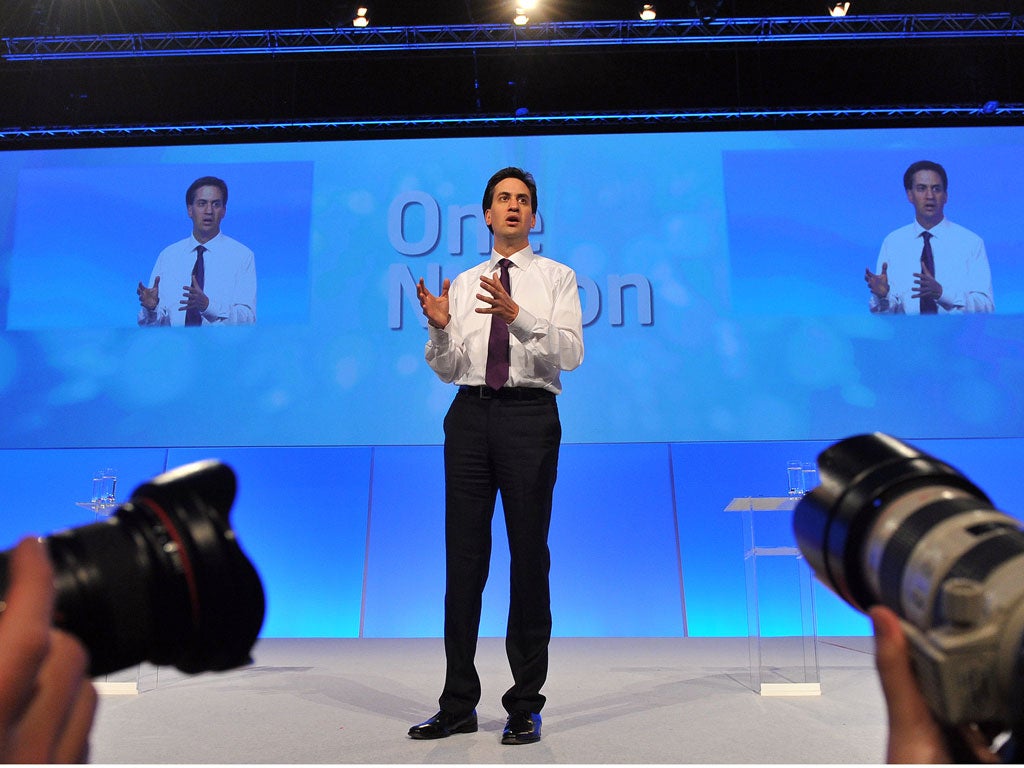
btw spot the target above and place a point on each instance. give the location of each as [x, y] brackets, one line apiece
[206, 181]
[510, 173]
[924, 165]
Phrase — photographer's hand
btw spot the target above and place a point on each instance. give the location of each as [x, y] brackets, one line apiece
[47, 703]
[914, 734]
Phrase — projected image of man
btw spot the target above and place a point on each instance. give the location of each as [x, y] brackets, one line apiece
[215, 274]
[930, 266]
[503, 331]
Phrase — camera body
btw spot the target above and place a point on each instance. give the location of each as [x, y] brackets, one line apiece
[892, 525]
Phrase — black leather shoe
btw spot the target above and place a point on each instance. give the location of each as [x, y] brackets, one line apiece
[521, 728]
[443, 725]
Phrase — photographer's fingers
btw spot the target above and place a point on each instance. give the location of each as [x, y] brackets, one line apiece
[74, 741]
[55, 727]
[73, 746]
[57, 723]
[46, 702]
[24, 631]
[914, 735]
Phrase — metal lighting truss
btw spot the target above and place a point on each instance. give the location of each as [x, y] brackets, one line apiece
[503, 36]
[498, 37]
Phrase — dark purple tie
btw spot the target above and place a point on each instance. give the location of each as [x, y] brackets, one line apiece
[194, 316]
[928, 305]
[497, 343]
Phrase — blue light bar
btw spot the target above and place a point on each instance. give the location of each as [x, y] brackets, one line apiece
[555, 121]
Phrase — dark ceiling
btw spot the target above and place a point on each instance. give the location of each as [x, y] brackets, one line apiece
[33, 17]
[413, 83]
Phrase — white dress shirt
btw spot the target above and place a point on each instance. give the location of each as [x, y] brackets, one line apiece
[546, 337]
[961, 268]
[229, 282]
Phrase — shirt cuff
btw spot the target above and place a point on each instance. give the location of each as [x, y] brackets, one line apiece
[437, 335]
[522, 326]
[212, 314]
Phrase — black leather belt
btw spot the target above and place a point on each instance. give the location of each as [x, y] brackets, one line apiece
[505, 393]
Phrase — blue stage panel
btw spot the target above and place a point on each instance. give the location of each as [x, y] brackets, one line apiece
[405, 557]
[300, 514]
[614, 562]
[42, 486]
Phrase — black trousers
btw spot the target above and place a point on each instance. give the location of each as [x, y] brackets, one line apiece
[507, 445]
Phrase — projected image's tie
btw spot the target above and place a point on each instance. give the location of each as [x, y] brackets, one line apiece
[192, 315]
[497, 344]
[928, 304]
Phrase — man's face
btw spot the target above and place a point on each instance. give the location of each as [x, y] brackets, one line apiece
[927, 194]
[206, 211]
[511, 213]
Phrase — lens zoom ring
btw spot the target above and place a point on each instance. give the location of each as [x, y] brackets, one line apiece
[907, 536]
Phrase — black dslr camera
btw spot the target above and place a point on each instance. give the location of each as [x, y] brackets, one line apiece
[894, 526]
[163, 579]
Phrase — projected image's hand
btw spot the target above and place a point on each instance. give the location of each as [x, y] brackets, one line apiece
[914, 734]
[878, 284]
[925, 285]
[149, 297]
[47, 703]
[499, 302]
[435, 308]
[193, 297]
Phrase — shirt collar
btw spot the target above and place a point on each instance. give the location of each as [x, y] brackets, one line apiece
[211, 242]
[521, 258]
[918, 229]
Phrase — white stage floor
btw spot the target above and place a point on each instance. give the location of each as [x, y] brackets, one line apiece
[610, 700]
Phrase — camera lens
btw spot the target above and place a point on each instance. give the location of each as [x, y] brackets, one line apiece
[163, 579]
[889, 523]
[876, 499]
[892, 525]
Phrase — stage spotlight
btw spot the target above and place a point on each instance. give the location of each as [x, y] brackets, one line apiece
[838, 9]
[647, 12]
[990, 107]
[527, 5]
[361, 19]
[521, 18]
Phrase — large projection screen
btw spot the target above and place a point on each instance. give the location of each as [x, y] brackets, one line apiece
[721, 277]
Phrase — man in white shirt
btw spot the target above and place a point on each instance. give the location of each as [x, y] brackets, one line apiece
[930, 266]
[504, 344]
[216, 273]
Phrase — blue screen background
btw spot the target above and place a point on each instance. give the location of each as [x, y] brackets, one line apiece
[727, 331]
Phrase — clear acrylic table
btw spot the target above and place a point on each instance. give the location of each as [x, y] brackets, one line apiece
[780, 596]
